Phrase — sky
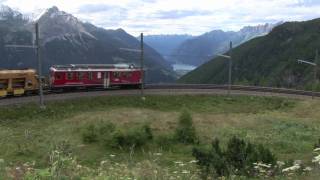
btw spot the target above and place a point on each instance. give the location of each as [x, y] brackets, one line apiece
[176, 16]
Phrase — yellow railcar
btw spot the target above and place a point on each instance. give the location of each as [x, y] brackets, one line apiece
[18, 82]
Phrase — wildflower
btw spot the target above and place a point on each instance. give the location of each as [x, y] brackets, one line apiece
[317, 149]
[280, 163]
[316, 159]
[193, 161]
[158, 154]
[112, 155]
[297, 162]
[185, 172]
[292, 168]
[307, 169]
[175, 172]
[178, 162]
[103, 162]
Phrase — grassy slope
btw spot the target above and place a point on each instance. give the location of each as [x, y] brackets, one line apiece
[289, 128]
[268, 60]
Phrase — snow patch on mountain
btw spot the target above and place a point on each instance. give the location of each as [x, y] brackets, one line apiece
[57, 24]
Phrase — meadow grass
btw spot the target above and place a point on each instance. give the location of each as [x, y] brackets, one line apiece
[288, 127]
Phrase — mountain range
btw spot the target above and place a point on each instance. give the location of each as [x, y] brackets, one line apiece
[269, 60]
[165, 44]
[67, 40]
[198, 50]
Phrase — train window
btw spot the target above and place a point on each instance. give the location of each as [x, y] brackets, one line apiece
[69, 76]
[18, 83]
[116, 74]
[128, 74]
[80, 75]
[58, 76]
[3, 84]
[90, 75]
[99, 75]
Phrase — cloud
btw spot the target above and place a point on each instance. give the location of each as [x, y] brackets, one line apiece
[177, 14]
[97, 8]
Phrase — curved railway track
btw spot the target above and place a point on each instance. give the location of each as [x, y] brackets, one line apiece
[168, 89]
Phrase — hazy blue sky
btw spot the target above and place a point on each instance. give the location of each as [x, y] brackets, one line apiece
[177, 16]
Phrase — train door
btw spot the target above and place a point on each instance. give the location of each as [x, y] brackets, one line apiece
[106, 80]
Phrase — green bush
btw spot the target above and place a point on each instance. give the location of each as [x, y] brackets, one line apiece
[165, 141]
[186, 132]
[237, 159]
[92, 133]
[135, 137]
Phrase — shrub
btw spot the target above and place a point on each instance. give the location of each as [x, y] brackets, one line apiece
[165, 141]
[135, 137]
[238, 158]
[90, 134]
[186, 132]
[96, 132]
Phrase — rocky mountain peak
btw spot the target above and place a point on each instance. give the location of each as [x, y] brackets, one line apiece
[55, 23]
[6, 12]
[53, 9]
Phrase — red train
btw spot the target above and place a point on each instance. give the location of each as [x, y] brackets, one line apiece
[94, 76]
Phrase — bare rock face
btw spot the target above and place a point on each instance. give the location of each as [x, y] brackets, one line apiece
[59, 24]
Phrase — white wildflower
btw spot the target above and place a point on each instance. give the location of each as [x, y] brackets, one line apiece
[292, 168]
[316, 159]
[307, 169]
[297, 162]
[317, 149]
[280, 163]
[157, 154]
[257, 165]
[175, 172]
[178, 162]
[193, 161]
[185, 172]
[112, 155]
[103, 162]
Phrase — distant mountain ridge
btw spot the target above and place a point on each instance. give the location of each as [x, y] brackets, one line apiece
[165, 44]
[269, 60]
[67, 40]
[200, 49]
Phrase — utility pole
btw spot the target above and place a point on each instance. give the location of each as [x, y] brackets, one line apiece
[38, 52]
[230, 69]
[315, 73]
[315, 64]
[141, 66]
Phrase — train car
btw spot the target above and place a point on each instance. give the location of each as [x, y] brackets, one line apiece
[18, 82]
[94, 76]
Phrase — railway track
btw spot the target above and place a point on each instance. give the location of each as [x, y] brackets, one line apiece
[167, 89]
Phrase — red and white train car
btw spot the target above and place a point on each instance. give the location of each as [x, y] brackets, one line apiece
[93, 75]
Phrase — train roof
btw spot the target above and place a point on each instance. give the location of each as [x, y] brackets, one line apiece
[94, 67]
[17, 71]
